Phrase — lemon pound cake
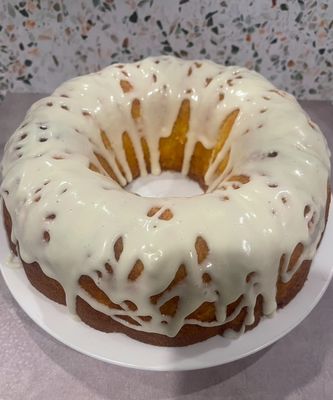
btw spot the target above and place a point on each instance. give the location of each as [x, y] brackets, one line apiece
[167, 271]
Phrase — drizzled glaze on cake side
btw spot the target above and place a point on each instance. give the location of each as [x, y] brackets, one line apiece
[266, 182]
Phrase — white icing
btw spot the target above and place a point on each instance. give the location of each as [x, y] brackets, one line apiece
[247, 233]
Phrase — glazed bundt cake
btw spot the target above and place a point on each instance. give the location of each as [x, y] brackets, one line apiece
[167, 271]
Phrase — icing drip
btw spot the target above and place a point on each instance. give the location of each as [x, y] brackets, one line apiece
[266, 190]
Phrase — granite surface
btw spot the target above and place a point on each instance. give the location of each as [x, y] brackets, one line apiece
[43, 43]
[33, 365]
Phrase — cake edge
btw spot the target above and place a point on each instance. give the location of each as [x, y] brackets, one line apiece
[189, 333]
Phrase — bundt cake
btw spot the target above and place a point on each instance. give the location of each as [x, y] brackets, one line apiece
[167, 271]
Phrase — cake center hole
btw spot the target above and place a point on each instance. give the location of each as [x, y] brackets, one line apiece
[167, 184]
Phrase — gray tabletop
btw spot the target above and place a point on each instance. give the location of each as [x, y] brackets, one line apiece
[33, 365]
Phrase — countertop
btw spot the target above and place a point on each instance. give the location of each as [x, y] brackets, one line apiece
[33, 365]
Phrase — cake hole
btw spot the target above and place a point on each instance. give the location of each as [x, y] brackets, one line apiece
[125, 73]
[284, 200]
[99, 274]
[169, 308]
[64, 95]
[6, 192]
[167, 184]
[43, 127]
[126, 86]
[50, 217]
[157, 62]
[154, 78]
[23, 136]
[86, 113]
[42, 140]
[272, 185]
[206, 278]
[272, 154]
[46, 182]
[119, 66]
[136, 271]
[63, 191]
[118, 248]
[36, 200]
[198, 65]
[221, 96]
[224, 198]
[58, 158]
[46, 236]
[266, 98]
[131, 306]
[260, 126]
[49, 104]
[108, 267]
[164, 322]
[201, 248]
[38, 190]
[18, 147]
[235, 186]
[189, 72]
[64, 107]
[263, 110]
[239, 77]
[230, 82]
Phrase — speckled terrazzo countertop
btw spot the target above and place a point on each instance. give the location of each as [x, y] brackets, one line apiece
[33, 365]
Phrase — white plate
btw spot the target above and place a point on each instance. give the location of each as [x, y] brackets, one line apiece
[120, 350]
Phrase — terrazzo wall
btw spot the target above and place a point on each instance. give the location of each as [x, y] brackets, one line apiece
[44, 42]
